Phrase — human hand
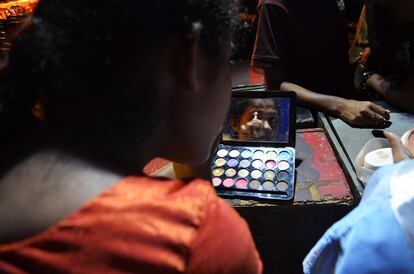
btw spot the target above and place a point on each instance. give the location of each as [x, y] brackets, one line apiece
[400, 152]
[364, 55]
[255, 129]
[362, 113]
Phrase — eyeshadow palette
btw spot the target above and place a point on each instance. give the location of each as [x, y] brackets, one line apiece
[256, 157]
[265, 172]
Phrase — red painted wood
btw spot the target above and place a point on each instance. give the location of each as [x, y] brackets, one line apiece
[323, 158]
[155, 165]
[256, 76]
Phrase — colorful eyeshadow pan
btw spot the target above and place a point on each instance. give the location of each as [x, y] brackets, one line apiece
[216, 181]
[271, 155]
[254, 184]
[228, 182]
[257, 164]
[218, 172]
[231, 172]
[220, 162]
[269, 175]
[243, 173]
[284, 155]
[242, 183]
[247, 154]
[283, 165]
[256, 174]
[268, 185]
[283, 176]
[232, 163]
[282, 186]
[271, 164]
[234, 153]
[222, 153]
[244, 163]
[258, 154]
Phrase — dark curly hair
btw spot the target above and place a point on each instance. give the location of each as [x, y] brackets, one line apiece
[81, 47]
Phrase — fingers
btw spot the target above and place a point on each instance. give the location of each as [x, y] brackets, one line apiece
[373, 118]
[408, 142]
[398, 150]
[372, 114]
[380, 110]
[267, 126]
[263, 131]
[410, 145]
[368, 117]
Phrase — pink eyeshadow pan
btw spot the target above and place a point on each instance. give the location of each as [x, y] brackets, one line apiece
[242, 183]
[228, 182]
[216, 181]
[271, 164]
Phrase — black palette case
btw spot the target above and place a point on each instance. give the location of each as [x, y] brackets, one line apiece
[256, 157]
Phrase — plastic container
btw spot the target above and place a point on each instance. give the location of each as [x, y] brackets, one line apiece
[363, 172]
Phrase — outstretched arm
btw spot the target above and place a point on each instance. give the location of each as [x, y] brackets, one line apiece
[356, 113]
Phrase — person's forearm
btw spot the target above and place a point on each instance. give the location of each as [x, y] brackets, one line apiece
[274, 78]
[355, 113]
[401, 97]
[310, 99]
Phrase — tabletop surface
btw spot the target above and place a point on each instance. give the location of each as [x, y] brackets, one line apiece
[319, 180]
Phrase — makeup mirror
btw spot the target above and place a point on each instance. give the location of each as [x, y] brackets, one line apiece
[260, 117]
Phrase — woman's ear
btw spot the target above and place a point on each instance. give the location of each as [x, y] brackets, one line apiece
[192, 66]
[184, 63]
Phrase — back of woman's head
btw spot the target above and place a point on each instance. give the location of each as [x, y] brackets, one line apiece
[83, 48]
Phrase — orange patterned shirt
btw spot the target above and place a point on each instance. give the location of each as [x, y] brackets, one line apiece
[142, 225]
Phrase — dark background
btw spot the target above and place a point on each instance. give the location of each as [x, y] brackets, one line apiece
[245, 32]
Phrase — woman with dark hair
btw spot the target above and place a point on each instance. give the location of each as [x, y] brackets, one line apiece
[96, 89]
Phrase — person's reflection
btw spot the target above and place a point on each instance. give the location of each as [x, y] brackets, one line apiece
[253, 119]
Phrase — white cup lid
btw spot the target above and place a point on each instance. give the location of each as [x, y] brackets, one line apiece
[378, 158]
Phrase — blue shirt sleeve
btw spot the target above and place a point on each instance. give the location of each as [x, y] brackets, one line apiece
[368, 240]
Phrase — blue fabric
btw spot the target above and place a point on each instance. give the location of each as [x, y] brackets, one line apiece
[367, 240]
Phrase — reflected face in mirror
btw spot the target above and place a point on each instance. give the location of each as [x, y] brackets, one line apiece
[253, 119]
